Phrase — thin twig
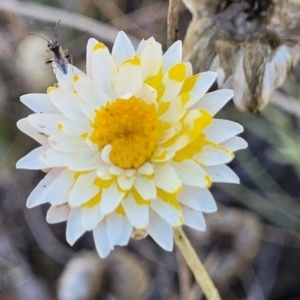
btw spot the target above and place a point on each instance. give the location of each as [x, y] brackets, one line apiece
[172, 21]
[195, 265]
[184, 276]
[50, 14]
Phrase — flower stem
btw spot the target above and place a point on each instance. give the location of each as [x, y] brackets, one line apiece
[196, 266]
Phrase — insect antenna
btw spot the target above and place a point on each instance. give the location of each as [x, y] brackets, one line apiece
[55, 28]
[38, 36]
[54, 31]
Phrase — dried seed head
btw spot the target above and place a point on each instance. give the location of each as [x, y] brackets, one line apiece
[251, 44]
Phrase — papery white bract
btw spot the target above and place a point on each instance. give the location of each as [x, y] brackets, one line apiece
[131, 146]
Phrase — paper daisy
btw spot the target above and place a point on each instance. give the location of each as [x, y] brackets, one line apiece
[131, 146]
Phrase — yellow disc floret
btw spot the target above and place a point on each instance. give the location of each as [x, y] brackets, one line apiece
[130, 127]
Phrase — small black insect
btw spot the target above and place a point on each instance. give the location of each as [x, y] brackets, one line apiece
[58, 55]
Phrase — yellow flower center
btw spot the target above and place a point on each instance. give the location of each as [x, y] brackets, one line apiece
[130, 127]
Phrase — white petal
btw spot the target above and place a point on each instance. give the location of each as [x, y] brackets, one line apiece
[36, 196]
[166, 178]
[58, 191]
[191, 117]
[102, 243]
[91, 216]
[147, 94]
[64, 80]
[189, 172]
[118, 229]
[222, 173]
[166, 135]
[122, 49]
[210, 155]
[105, 154]
[110, 199]
[160, 231]
[46, 123]
[174, 113]
[197, 199]
[172, 56]
[193, 218]
[93, 146]
[77, 162]
[33, 160]
[77, 128]
[66, 143]
[125, 183]
[102, 60]
[234, 144]
[25, 127]
[137, 214]
[103, 172]
[126, 96]
[173, 81]
[129, 79]
[146, 169]
[189, 69]
[160, 156]
[57, 214]
[66, 102]
[130, 172]
[179, 143]
[214, 101]
[39, 103]
[166, 211]
[145, 187]
[84, 189]
[115, 170]
[221, 130]
[89, 92]
[89, 52]
[143, 44]
[151, 59]
[74, 228]
[203, 83]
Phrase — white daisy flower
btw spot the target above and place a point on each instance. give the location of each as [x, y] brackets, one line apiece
[132, 146]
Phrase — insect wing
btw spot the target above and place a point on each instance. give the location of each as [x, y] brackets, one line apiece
[62, 65]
